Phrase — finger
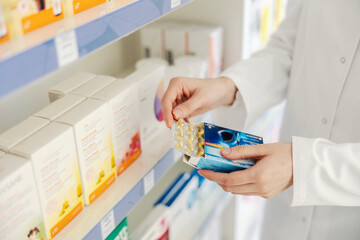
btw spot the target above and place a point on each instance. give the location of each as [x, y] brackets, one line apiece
[229, 179]
[245, 151]
[168, 101]
[240, 189]
[186, 108]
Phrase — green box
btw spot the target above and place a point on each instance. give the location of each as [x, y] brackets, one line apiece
[121, 232]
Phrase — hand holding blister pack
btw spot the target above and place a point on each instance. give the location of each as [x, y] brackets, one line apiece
[201, 145]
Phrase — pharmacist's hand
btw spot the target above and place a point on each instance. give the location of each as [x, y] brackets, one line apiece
[187, 97]
[271, 175]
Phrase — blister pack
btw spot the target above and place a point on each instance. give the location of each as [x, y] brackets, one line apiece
[201, 144]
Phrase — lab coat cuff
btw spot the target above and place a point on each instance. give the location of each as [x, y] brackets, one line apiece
[233, 116]
[238, 110]
[301, 160]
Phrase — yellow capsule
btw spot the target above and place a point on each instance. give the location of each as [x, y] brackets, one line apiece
[181, 122]
[200, 132]
[180, 133]
[190, 138]
[179, 144]
[191, 127]
[189, 148]
[201, 152]
[201, 141]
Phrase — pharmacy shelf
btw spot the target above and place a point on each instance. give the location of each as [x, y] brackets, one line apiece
[217, 210]
[100, 218]
[195, 224]
[36, 54]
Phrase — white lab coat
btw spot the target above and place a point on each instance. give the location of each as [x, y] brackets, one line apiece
[313, 61]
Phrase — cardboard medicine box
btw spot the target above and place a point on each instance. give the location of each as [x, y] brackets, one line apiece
[53, 156]
[59, 107]
[93, 86]
[20, 132]
[69, 85]
[19, 201]
[122, 98]
[201, 144]
[150, 82]
[91, 126]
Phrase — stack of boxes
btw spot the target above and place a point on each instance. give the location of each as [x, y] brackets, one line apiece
[68, 153]
[172, 40]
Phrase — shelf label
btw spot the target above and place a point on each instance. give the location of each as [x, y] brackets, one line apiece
[175, 3]
[149, 181]
[107, 224]
[66, 48]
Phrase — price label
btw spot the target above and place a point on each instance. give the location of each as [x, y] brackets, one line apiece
[107, 224]
[66, 48]
[175, 3]
[149, 181]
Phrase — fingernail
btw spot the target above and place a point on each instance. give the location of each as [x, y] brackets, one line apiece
[177, 113]
[226, 151]
[200, 173]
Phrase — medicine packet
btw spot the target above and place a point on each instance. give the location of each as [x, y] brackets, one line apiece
[201, 144]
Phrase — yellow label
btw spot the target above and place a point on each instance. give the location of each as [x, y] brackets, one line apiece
[66, 220]
[102, 187]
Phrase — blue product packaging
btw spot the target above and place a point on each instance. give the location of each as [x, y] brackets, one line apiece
[201, 144]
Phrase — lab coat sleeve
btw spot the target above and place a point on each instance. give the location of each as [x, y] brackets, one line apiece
[262, 80]
[325, 173]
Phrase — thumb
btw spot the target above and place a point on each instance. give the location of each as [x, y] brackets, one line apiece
[186, 108]
[244, 152]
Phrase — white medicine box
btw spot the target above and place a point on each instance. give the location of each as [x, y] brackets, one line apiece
[207, 42]
[20, 132]
[91, 126]
[20, 213]
[150, 82]
[59, 107]
[52, 153]
[122, 98]
[93, 86]
[69, 84]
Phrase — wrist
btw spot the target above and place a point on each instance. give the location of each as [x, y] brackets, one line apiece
[230, 92]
